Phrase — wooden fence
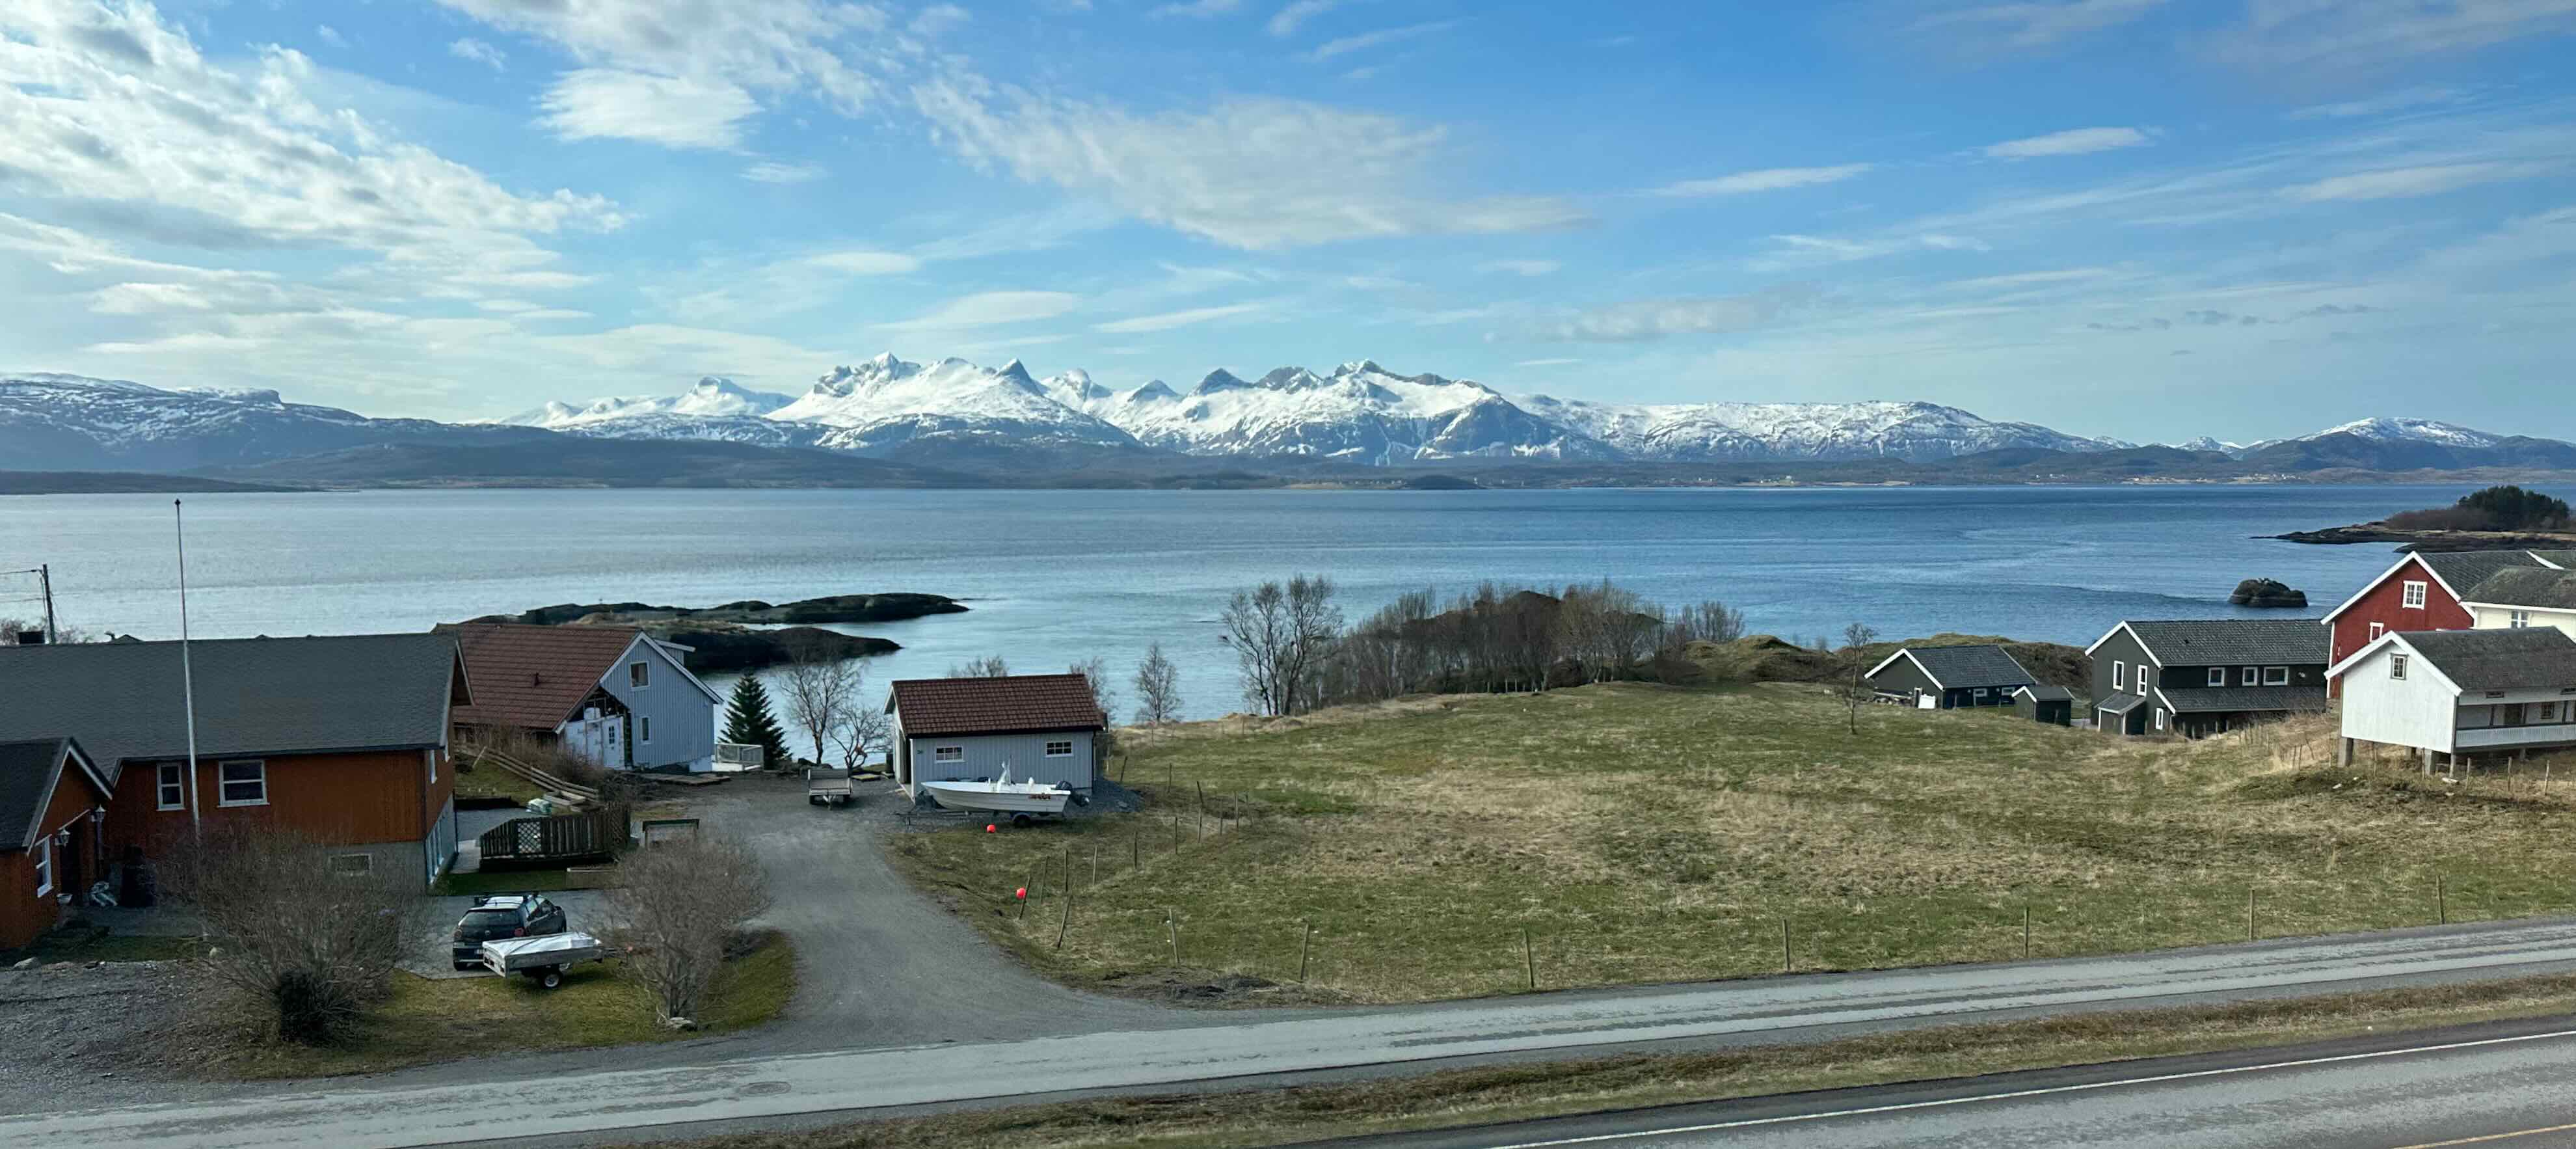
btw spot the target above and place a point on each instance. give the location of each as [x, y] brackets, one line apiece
[560, 838]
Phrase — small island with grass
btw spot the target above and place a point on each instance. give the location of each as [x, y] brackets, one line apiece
[749, 635]
[2496, 518]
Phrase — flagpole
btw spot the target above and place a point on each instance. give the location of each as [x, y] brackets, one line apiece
[187, 674]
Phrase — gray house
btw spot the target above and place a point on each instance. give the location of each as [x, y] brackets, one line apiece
[611, 695]
[1949, 677]
[2202, 676]
[1036, 727]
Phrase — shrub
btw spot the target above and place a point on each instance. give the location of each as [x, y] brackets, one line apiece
[300, 949]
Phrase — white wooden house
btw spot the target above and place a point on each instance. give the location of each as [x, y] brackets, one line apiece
[2461, 693]
[2519, 598]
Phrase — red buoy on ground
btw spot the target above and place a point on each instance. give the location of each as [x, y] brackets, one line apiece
[1022, 893]
[988, 827]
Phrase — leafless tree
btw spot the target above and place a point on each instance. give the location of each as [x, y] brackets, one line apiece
[1859, 634]
[822, 691]
[862, 732]
[1709, 621]
[1104, 690]
[1280, 634]
[303, 937]
[989, 666]
[677, 905]
[1158, 688]
[1857, 693]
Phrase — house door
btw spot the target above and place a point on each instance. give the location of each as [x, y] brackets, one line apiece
[2508, 714]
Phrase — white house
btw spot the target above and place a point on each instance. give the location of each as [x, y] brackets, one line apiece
[612, 695]
[1037, 727]
[2461, 692]
[2513, 599]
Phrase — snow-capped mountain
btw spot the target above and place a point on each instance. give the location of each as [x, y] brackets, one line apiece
[52, 421]
[1732, 432]
[2413, 430]
[1361, 413]
[713, 397]
[886, 401]
[2208, 443]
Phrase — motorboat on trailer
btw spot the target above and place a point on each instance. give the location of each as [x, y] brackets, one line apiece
[1000, 796]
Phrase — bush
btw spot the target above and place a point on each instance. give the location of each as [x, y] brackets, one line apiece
[300, 949]
[2505, 508]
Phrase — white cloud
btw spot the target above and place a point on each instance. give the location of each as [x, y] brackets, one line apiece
[2382, 104]
[2362, 34]
[2403, 183]
[989, 309]
[1526, 267]
[590, 103]
[2075, 142]
[1771, 179]
[1243, 173]
[479, 52]
[864, 262]
[939, 19]
[1547, 362]
[1660, 318]
[1799, 251]
[1378, 283]
[1287, 20]
[773, 172]
[1171, 319]
[330, 35]
[2032, 25]
[1380, 38]
[1198, 9]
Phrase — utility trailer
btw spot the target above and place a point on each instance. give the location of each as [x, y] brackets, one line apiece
[541, 959]
[825, 786]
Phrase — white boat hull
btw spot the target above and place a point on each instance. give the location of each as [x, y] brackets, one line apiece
[998, 797]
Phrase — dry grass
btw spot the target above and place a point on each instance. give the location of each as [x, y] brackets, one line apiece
[1650, 834]
[1522, 1092]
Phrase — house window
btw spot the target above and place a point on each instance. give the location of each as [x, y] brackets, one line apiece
[2397, 667]
[170, 786]
[2415, 596]
[1982, 692]
[638, 675]
[2517, 619]
[2248, 675]
[948, 754]
[1064, 749]
[2119, 676]
[644, 727]
[353, 865]
[2160, 720]
[242, 783]
[2377, 629]
[2276, 676]
[44, 865]
[2218, 676]
[2548, 712]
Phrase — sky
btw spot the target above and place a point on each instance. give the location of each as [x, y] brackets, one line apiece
[2149, 219]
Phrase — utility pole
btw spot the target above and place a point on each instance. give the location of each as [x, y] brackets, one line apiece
[45, 579]
[187, 677]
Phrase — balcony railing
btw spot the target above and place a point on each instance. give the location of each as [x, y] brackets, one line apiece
[2490, 737]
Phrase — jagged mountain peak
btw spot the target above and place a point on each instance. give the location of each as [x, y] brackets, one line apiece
[1218, 380]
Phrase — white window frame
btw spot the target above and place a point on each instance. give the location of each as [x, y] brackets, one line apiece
[2249, 676]
[2414, 594]
[639, 674]
[2276, 676]
[2160, 718]
[2218, 676]
[644, 728]
[947, 754]
[2377, 629]
[2119, 676]
[170, 786]
[224, 785]
[1067, 743]
[1983, 694]
[44, 855]
[2517, 619]
[2397, 667]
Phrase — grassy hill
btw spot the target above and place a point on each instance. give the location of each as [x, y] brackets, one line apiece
[1653, 834]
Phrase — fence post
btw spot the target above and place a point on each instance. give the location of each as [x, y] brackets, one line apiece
[2249, 913]
[1175, 928]
[1529, 959]
[1065, 923]
[2441, 901]
[1305, 949]
[2025, 933]
[1786, 965]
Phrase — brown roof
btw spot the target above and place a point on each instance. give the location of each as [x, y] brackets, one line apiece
[533, 676]
[1018, 704]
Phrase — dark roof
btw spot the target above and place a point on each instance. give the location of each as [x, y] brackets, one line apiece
[122, 700]
[2047, 693]
[1969, 666]
[533, 676]
[2234, 641]
[2119, 703]
[2228, 699]
[2526, 586]
[29, 773]
[2518, 658]
[1019, 703]
[2465, 569]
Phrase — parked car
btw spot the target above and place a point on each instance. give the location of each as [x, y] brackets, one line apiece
[502, 916]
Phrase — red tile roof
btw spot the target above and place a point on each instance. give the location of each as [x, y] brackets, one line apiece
[532, 676]
[1017, 704]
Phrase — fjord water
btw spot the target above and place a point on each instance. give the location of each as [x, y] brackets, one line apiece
[1054, 576]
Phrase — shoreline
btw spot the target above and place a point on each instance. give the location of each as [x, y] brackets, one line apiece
[2430, 542]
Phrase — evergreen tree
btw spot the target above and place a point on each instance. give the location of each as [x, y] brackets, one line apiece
[749, 721]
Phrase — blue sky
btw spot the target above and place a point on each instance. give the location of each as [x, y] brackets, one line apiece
[2151, 219]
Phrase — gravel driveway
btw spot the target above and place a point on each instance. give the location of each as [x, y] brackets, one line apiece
[584, 910]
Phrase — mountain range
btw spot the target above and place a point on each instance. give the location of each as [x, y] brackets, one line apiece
[937, 422]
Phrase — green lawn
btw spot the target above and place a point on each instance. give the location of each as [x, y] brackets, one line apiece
[524, 881]
[441, 1019]
[1649, 834]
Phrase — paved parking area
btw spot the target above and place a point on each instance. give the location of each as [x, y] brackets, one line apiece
[584, 910]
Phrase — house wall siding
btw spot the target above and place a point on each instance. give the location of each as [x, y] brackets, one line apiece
[2385, 604]
[2417, 711]
[335, 799]
[986, 756]
[2124, 649]
[1903, 676]
[2501, 617]
[684, 718]
[24, 914]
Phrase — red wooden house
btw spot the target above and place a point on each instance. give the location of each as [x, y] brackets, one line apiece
[2423, 592]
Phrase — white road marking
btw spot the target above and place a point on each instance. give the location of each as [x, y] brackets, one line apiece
[1601, 1138]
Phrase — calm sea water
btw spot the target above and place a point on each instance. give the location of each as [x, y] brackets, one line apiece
[1054, 576]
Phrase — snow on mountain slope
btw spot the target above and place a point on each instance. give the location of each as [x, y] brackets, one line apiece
[713, 397]
[2208, 443]
[886, 401]
[72, 422]
[1730, 432]
[1361, 413]
[2412, 430]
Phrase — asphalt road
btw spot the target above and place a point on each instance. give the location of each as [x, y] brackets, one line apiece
[2485, 1084]
[404, 1111]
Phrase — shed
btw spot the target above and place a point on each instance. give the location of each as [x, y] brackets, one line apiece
[2054, 705]
[1036, 727]
[1950, 676]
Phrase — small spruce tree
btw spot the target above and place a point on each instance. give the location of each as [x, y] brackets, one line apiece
[748, 720]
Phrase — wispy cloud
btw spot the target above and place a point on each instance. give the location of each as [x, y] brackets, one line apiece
[989, 309]
[470, 48]
[330, 35]
[2034, 25]
[2403, 183]
[2365, 34]
[864, 262]
[1768, 179]
[2075, 142]
[590, 103]
[1662, 318]
[1547, 362]
[1286, 22]
[1346, 45]
[773, 172]
[2381, 105]
[1198, 9]
[1526, 267]
[1171, 319]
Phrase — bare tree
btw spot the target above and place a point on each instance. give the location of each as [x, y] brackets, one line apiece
[1158, 688]
[1104, 691]
[989, 666]
[862, 732]
[304, 937]
[1859, 634]
[1280, 635]
[677, 906]
[822, 691]
[1856, 693]
[1710, 621]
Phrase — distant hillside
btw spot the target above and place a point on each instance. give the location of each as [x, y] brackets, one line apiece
[2368, 453]
[579, 462]
[116, 482]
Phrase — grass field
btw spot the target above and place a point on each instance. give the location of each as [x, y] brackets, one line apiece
[442, 1019]
[1648, 834]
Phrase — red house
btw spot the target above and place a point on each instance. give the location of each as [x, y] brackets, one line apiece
[52, 800]
[2423, 592]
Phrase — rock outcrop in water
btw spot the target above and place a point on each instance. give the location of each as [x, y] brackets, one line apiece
[838, 608]
[2266, 592]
